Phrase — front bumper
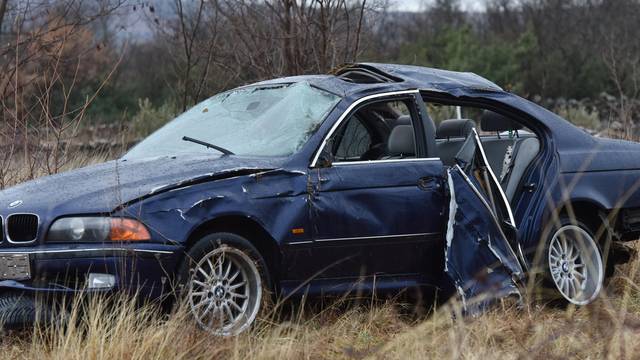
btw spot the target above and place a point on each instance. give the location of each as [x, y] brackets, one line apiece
[146, 269]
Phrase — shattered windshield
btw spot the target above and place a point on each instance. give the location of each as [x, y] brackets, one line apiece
[266, 121]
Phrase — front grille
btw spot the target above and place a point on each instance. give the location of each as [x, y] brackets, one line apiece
[22, 227]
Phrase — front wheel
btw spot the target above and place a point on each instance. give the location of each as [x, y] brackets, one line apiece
[227, 282]
[575, 263]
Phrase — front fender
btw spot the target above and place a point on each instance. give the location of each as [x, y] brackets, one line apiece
[276, 200]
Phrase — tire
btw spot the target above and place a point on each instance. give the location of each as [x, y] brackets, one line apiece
[573, 262]
[225, 283]
[16, 311]
[19, 311]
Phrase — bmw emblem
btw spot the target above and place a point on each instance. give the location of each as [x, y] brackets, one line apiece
[15, 204]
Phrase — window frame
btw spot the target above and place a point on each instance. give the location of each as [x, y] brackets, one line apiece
[416, 119]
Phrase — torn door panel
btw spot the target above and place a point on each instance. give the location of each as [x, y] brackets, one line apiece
[478, 258]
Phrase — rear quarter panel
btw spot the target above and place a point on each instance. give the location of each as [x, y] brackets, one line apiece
[605, 172]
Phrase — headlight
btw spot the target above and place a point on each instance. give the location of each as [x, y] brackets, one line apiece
[97, 229]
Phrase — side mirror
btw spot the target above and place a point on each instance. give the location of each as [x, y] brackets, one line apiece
[326, 157]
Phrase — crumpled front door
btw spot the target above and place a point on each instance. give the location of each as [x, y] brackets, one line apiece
[480, 242]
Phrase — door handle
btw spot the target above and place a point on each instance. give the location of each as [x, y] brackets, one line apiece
[428, 183]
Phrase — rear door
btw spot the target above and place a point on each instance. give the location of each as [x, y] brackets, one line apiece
[482, 254]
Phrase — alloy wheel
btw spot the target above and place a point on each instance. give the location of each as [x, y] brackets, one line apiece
[575, 264]
[225, 291]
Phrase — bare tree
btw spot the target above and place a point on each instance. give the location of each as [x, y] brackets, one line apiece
[3, 10]
[218, 43]
[190, 35]
[44, 55]
[621, 55]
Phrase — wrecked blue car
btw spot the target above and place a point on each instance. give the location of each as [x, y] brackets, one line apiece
[374, 178]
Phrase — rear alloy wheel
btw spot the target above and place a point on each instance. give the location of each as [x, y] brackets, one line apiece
[575, 264]
[225, 288]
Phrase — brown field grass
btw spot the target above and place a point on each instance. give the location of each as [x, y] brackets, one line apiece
[609, 328]
[373, 328]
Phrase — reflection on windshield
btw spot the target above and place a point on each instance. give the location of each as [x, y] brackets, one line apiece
[256, 120]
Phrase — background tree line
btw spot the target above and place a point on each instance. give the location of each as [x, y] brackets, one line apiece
[71, 65]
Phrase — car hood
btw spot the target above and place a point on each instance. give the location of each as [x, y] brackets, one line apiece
[104, 187]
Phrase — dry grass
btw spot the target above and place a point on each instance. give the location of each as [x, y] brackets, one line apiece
[608, 328]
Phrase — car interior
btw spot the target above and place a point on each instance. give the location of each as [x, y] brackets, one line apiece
[380, 131]
[384, 130]
[509, 147]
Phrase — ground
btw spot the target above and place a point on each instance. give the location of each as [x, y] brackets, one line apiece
[373, 328]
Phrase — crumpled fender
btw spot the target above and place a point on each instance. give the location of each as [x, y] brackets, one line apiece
[274, 199]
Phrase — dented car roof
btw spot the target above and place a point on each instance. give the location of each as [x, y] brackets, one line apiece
[397, 77]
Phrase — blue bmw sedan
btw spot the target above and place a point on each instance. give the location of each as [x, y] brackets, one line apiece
[377, 177]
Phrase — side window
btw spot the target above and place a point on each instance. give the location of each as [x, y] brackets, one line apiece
[378, 131]
[355, 141]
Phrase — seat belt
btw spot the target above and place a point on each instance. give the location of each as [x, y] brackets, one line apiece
[507, 162]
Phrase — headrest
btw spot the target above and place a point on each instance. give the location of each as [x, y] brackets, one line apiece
[401, 141]
[492, 121]
[455, 128]
[403, 120]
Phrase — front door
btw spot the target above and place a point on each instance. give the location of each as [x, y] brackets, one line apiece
[378, 207]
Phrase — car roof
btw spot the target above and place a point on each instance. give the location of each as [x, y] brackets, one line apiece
[362, 79]
[374, 77]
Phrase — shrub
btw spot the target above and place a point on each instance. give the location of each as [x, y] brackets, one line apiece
[150, 118]
[579, 114]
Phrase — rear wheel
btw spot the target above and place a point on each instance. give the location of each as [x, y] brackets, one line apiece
[574, 262]
[227, 283]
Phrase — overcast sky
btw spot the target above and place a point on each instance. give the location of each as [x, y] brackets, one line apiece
[415, 5]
